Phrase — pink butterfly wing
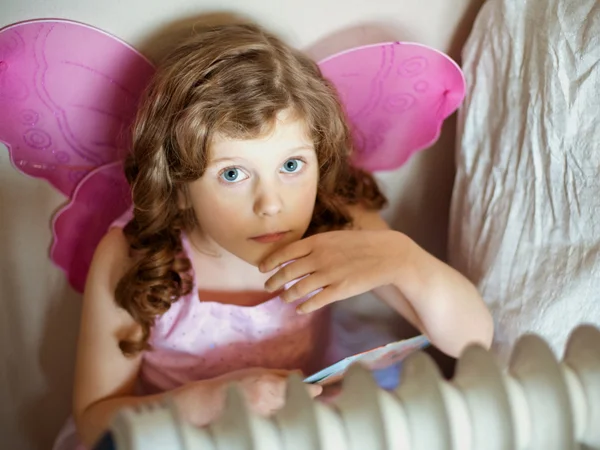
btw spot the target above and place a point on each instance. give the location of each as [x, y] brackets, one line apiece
[101, 197]
[397, 96]
[68, 93]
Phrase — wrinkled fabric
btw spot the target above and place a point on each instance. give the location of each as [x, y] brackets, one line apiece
[525, 217]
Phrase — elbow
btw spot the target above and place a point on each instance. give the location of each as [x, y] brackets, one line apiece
[80, 419]
[87, 429]
[487, 331]
[480, 332]
[455, 336]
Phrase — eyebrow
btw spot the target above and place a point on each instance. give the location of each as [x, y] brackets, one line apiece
[233, 158]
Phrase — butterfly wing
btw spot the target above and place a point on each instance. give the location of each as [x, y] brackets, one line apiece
[397, 96]
[100, 198]
[68, 95]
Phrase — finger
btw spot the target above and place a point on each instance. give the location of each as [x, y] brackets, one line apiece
[314, 390]
[283, 372]
[325, 297]
[295, 371]
[267, 409]
[293, 271]
[303, 287]
[241, 374]
[294, 250]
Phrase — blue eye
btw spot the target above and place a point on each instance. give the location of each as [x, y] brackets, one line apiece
[293, 165]
[232, 175]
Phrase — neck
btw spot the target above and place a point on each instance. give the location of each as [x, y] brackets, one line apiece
[205, 247]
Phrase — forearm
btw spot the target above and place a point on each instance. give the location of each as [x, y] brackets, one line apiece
[449, 309]
[198, 403]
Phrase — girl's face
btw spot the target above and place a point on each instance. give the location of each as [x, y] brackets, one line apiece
[257, 195]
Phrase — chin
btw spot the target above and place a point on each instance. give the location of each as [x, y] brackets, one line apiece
[253, 260]
[254, 256]
[258, 252]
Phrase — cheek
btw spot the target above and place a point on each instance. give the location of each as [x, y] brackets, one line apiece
[304, 196]
[304, 204]
[218, 215]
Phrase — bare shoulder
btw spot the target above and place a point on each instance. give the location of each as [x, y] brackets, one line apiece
[366, 219]
[110, 263]
[113, 248]
[102, 370]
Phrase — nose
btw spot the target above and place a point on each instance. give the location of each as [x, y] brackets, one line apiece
[268, 201]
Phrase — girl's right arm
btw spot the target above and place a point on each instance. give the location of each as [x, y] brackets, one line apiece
[105, 378]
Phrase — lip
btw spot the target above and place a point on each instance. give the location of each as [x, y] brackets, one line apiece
[269, 238]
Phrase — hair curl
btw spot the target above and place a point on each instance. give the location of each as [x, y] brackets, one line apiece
[234, 80]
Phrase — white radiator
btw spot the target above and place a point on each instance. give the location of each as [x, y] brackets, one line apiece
[538, 403]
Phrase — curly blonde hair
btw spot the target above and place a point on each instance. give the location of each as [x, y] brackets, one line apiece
[233, 80]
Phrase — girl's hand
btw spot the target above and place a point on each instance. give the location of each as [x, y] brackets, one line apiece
[340, 263]
[434, 297]
[265, 389]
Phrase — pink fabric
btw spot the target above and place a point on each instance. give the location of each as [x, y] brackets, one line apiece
[397, 95]
[202, 339]
[198, 340]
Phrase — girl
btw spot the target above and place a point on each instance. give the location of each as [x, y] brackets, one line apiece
[241, 150]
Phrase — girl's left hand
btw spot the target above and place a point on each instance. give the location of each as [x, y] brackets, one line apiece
[342, 263]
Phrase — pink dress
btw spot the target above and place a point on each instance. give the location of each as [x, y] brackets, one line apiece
[198, 340]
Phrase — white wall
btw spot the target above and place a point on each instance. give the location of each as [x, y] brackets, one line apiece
[39, 312]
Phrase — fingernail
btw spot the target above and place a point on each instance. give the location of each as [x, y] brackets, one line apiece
[300, 310]
[316, 389]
